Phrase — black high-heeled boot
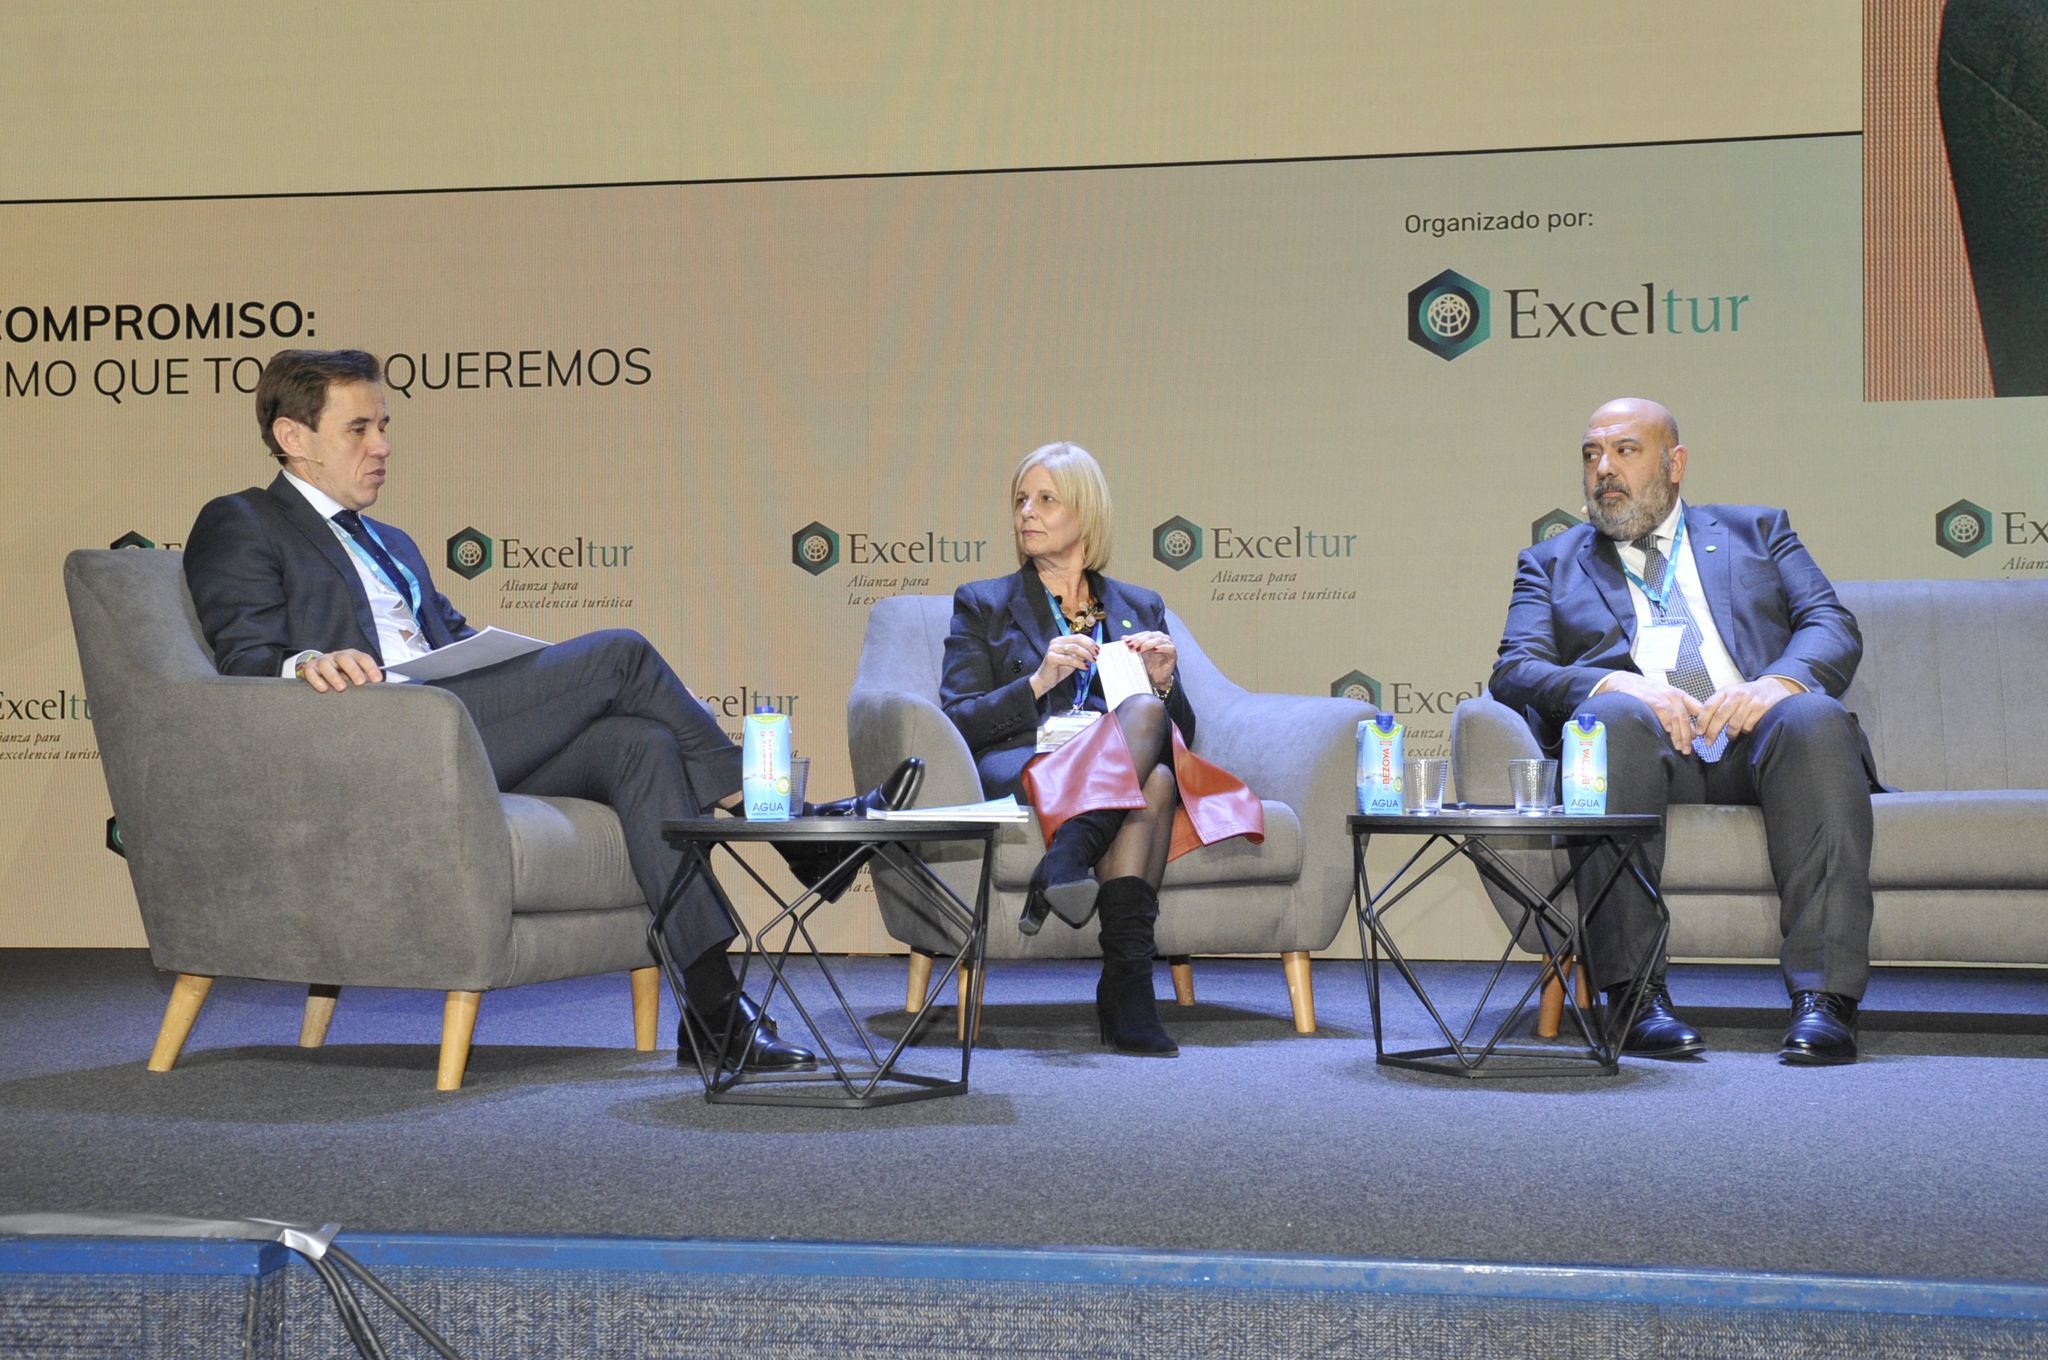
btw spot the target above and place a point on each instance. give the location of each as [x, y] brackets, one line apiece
[1064, 881]
[1125, 1007]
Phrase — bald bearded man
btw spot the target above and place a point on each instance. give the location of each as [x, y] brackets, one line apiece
[1714, 650]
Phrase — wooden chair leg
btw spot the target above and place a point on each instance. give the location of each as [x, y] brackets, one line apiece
[964, 980]
[188, 994]
[920, 980]
[458, 1027]
[1183, 969]
[320, 999]
[1550, 1014]
[646, 983]
[1300, 990]
[1550, 1011]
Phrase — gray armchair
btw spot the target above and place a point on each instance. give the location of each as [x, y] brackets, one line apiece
[1288, 895]
[350, 840]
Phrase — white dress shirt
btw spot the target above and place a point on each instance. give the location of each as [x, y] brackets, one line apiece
[399, 635]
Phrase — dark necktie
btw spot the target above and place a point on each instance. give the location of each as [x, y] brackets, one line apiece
[360, 532]
[1690, 674]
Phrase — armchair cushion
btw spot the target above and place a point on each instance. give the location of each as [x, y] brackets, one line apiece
[568, 854]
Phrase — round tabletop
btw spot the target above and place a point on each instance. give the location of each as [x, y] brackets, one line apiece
[1479, 820]
[713, 830]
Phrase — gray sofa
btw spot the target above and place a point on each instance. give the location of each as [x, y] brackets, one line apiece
[1953, 693]
[336, 840]
[1289, 895]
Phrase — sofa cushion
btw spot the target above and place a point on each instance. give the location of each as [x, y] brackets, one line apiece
[1988, 838]
[568, 854]
[1237, 860]
[1983, 838]
[1716, 848]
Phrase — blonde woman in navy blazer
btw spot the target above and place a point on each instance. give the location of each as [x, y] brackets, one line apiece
[1022, 649]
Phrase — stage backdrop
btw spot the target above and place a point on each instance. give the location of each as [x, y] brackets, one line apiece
[733, 415]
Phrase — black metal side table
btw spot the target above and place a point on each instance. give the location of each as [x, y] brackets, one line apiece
[866, 1075]
[1470, 833]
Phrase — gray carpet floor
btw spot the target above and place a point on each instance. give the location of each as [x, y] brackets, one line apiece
[1924, 1160]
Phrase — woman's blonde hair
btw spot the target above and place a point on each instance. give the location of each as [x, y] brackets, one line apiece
[1078, 479]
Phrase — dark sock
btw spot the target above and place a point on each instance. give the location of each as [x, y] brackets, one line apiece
[708, 981]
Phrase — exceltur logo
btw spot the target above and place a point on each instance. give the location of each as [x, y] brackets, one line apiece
[1551, 525]
[1447, 315]
[1403, 698]
[1356, 685]
[815, 548]
[1179, 543]
[818, 548]
[131, 539]
[1450, 314]
[471, 553]
[1963, 528]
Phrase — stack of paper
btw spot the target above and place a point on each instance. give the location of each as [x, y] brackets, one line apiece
[1004, 809]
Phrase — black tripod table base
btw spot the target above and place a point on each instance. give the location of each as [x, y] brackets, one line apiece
[1470, 835]
[861, 1072]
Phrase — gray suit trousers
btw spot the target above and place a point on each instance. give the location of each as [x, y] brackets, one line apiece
[1802, 765]
[603, 717]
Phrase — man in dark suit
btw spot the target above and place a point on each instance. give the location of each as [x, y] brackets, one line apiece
[1712, 647]
[292, 580]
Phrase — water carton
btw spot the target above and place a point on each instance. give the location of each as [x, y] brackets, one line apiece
[1584, 757]
[764, 766]
[1381, 759]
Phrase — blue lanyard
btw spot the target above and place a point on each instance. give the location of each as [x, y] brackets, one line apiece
[1658, 597]
[1086, 677]
[412, 585]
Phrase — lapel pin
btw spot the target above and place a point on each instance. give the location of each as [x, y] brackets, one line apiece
[1711, 547]
[1127, 623]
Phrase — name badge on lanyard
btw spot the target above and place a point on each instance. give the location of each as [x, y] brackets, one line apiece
[1657, 646]
[1062, 728]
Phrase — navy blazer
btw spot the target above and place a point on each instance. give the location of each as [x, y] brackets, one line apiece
[1572, 622]
[1001, 630]
[269, 579]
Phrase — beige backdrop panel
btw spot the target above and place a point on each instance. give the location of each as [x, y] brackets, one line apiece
[127, 97]
[874, 355]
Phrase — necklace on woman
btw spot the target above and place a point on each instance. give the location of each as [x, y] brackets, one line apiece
[1084, 616]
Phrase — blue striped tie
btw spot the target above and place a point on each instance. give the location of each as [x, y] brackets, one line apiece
[360, 532]
[1690, 674]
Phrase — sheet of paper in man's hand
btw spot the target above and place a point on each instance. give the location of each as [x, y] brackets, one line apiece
[474, 652]
[1123, 672]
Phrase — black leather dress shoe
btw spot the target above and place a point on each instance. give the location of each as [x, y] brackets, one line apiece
[1822, 1032]
[1657, 1031]
[812, 863]
[741, 1017]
